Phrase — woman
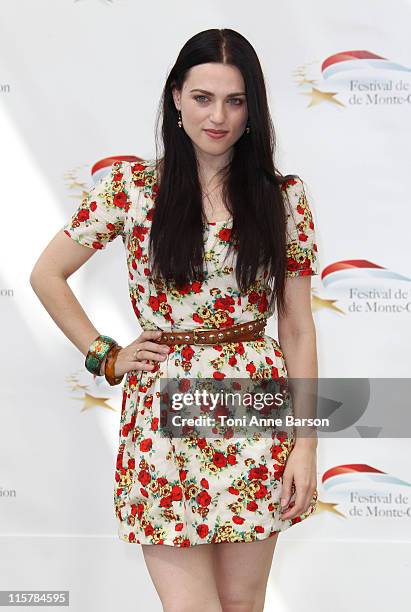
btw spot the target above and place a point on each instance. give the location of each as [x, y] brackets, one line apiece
[215, 238]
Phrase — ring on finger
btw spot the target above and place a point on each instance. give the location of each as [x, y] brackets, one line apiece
[136, 353]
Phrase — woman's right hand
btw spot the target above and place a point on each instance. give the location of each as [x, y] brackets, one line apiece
[147, 349]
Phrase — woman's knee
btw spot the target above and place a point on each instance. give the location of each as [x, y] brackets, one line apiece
[250, 602]
[247, 595]
[183, 577]
[192, 605]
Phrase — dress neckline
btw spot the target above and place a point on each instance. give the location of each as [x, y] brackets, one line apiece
[218, 222]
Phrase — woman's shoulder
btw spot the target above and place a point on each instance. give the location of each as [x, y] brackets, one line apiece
[137, 171]
[287, 179]
[147, 167]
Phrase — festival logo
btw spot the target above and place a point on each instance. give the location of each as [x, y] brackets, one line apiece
[361, 491]
[354, 78]
[362, 286]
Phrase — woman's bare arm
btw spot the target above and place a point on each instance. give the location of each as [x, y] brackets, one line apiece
[297, 337]
[296, 333]
[59, 260]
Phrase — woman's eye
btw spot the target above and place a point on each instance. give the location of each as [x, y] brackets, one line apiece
[201, 99]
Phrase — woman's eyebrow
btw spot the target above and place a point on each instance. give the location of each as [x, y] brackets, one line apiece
[208, 93]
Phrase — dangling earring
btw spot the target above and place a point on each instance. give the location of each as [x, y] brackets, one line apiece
[248, 129]
[179, 122]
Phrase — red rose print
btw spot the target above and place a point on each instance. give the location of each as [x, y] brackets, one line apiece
[154, 303]
[145, 445]
[144, 477]
[203, 499]
[137, 167]
[139, 232]
[154, 424]
[218, 375]
[260, 472]
[176, 493]
[187, 353]
[166, 502]
[224, 234]
[120, 199]
[149, 530]
[184, 386]
[83, 214]
[219, 460]
[262, 492]
[202, 531]
[250, 368]
[253, 297]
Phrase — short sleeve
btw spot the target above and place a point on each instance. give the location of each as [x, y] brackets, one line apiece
[100, 217]
[302, 254]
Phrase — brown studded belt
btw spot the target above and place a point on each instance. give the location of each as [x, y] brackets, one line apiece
[209, 336]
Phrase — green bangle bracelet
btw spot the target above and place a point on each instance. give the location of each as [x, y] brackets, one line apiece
[96, 353]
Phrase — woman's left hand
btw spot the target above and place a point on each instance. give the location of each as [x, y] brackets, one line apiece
[300, 467]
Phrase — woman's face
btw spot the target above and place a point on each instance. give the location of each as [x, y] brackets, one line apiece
[213, 97]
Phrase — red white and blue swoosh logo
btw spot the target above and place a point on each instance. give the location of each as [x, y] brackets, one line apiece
[359, 475]
[358, 269]
[347, 61]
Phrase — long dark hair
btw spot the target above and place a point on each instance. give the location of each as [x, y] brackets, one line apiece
[251, 185]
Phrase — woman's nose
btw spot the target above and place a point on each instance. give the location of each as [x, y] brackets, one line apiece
[218, 114]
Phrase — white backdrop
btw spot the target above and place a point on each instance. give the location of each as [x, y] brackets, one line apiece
[81, 81]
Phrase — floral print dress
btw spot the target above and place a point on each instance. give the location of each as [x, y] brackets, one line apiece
[188, 491]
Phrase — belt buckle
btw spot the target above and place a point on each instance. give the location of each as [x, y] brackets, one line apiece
[198, 330]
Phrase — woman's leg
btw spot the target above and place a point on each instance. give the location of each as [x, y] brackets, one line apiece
[183, 577]
[242, 570]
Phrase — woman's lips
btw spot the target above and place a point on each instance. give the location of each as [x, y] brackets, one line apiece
[215, 135]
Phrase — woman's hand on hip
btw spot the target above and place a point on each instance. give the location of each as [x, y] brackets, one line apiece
[138, 354]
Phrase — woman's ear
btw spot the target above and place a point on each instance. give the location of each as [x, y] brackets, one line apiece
[176, 97]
